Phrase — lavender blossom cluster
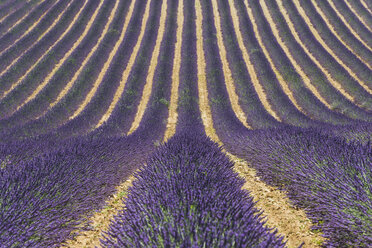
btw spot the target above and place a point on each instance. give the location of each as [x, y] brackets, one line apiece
[47, 192]
[188, 196]
[329, 176]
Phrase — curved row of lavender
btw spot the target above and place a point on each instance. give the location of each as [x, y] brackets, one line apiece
[189, 196]
[52, 183]
[327, 176]
[326, 169]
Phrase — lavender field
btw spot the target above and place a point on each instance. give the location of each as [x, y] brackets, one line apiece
[186, 123]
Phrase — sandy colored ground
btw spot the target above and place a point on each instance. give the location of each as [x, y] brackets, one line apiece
[173, 115]
[101, 220]
[360, 18]
[146, 93]
[127, 70]
[282, 44]
[281, 80]
[366, 6]
[327, 48]
[69, 85]
[348, 25]
[229, 81]
[40, 37]
[290, 222]
[67, 55]
[25, 16]
[333, 82]
[43, 56]
[331, 28]
[36, 23]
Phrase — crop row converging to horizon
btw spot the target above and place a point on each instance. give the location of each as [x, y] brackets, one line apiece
[185, 123]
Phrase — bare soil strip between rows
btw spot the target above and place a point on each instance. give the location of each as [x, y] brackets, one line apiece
[328, 49]
[40, 37]
[331, 28]
[69, 85]
[365, 6]
[67, 55]
[50, 48]
[5, 16]
[126, 72]
[348, 25]
[31, 28]
[229, 81]
[333, 82]
[281, 80]
[146, 93]
[283, 45]
[173, 115]
[24, 17]
[76, 44]
[101, 220]
[289, 221]
[355, 12]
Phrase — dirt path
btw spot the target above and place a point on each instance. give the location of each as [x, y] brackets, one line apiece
[69, 85]
[360, 18]
[125, 74]
[24, 17]
[40, 37]
[366, 6]
[173, 115]
[331, 28]
[284, 46]
[146, 93]
[281, 80]
[67, 55]
[45, 54]
[348, 25]
[328, 49]
[229, 81]
[33, 26]
[101, 220]
[290, 222]
[329, 77]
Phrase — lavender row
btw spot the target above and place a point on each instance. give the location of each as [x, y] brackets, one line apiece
[258, 117]
[48, 194]
[337, 47]
[60, 113]
[361, 11]
[305, 98]
[17, 15]
[18, 48]
[45, 66]
[318, 79]
[11, 102]
[9, 37]
[131, 96]
[328, 177]
[6, 6]
[353, 21]
[188, 100]
[336, 71]
[345, 33]
[188, 196]
[157, 108]
[278, 100]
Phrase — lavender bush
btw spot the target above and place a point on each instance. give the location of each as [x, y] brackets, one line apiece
[328, 176]
[189, 196]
